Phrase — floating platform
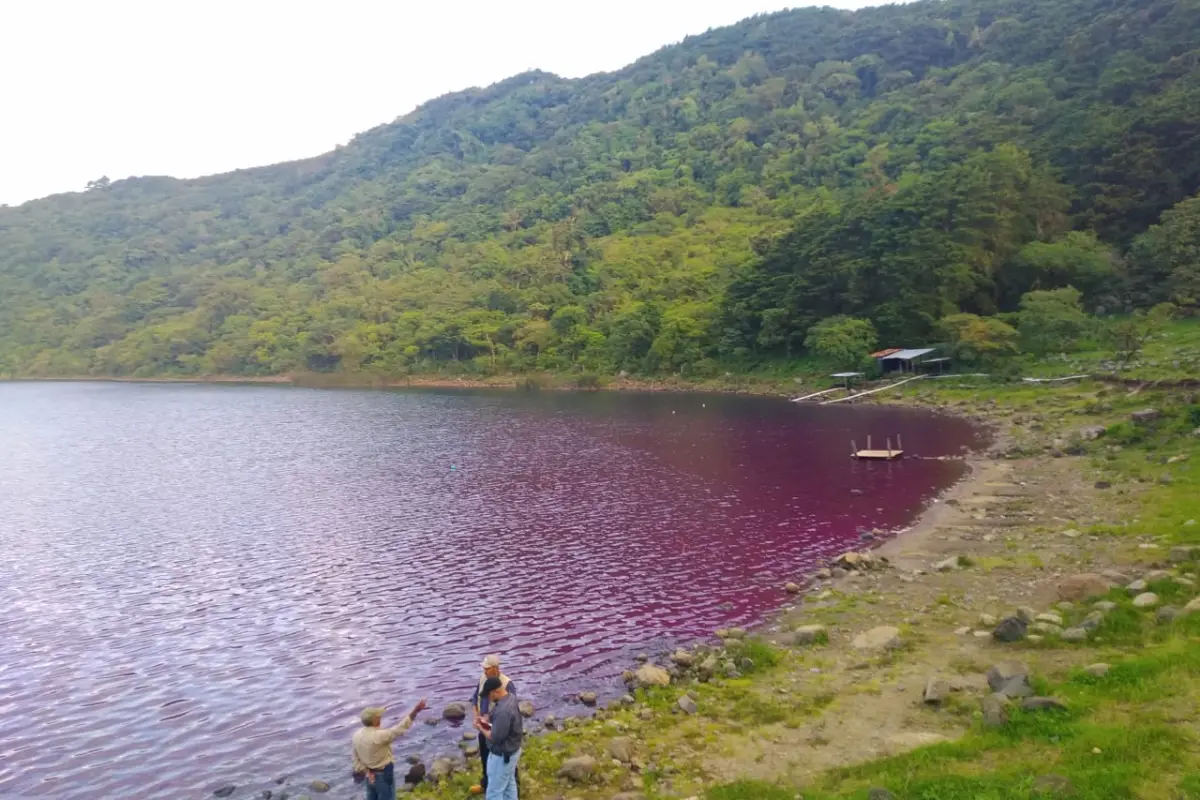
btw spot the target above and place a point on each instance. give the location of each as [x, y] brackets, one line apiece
[878, 455]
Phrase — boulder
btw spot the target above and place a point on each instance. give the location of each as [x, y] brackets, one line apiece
[440, 769]
[415, 774]
[1166, 615]
[1091, 433]
[1078, 588]
[884, 637]
[1045, 628]
[987, 620]
[1103, 484]
[651, 675]
[1136, 587]
[1145, 600]
[1183, 553]
[224, 791]
[1104, 606]
[1010, 678]
[1043, 704]
[1078, 634]
[577, 769]
[587, 698]
[319, 786]
[1097, 670]
[735, 633]
[809, 634]
[621, 748]
[687, 705]
[455, 712]
[1193, 606]
[526, 708]
[1053, 619]
[1010, 629]
[995, 710]
[936, 690]
[791, 588]
[1146, 415]
[1026, 614]
[948, 565]
[683, 658]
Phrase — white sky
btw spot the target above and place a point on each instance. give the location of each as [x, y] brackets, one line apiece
[189, 88]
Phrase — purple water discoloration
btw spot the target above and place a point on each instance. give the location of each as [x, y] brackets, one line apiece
[207, 583]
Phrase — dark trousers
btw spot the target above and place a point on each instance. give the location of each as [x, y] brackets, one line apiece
[384, 787]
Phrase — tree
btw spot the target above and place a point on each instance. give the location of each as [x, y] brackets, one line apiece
[1051, 321]
[1165, 260]
[100, 183]
[843, 341]
[980, 340]
[1127, 335]
[1077, 259]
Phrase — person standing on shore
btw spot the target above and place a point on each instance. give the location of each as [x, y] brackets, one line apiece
[504, 730]
[480, 706]
[371, 750]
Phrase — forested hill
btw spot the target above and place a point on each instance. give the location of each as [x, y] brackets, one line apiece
[705, 205]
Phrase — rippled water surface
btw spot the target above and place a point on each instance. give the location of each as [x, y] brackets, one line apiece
[204, 584]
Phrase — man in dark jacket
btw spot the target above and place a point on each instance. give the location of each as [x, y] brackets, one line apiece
[479, 708]
[504, 731]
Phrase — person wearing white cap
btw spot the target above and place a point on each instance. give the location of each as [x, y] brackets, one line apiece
[371, 750]
[480, 706]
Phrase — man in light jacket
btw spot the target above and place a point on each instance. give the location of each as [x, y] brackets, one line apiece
[480, 705]
[371, 750]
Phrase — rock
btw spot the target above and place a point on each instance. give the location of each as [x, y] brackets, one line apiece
[526, 708]
[621, 748]
[577, 769]
[1026, 614]
[1091, 433]
[1136, 587]
[884, 637]
[415, 774]
[1104, 606]
[440, 769]
[1103, 485]
[880, 794]
[1009, 678]
[1053, 619]
[282, 779]
[1184, 553]
[1010, 629]
[319, 786]
[651, 675]
[987, 620]
[809, 634]
[1045, 628]
[1078, 588]
[824, 574]
[646, 714]
[587, 698]
[471, 749]
[225, 791]
[735, 633]
[629, 796]
[936, 690]
[1145, 600]
[838, 572]
[791, 588]
[1053, 786]
[687, 705]
[1079, 634]
[963, 631]
[455, 712]
[627, 700]
[1166, 614]
[1146, 415]
[1097, 670]
[1165, 479]
[1043, 704]
[1193, 606]
[265, 794]
[683, 658]
[995, 710]
[947, 565]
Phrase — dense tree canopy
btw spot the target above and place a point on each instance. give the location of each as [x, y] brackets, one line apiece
[711, 202]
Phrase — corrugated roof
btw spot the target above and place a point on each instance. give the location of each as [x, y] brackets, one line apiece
[887, 352]
[909, 355]
[845, 374]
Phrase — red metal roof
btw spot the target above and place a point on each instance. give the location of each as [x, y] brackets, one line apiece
[887, 352]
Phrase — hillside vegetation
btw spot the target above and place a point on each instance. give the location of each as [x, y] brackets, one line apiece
[697, 211]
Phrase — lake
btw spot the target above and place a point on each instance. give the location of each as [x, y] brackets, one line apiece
[203, 584]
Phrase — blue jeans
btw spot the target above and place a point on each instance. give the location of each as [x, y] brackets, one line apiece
[502, 778]
[384, 787]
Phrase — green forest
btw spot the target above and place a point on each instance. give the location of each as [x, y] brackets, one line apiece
[972, 172]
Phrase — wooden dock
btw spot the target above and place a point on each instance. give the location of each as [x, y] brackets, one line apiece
[878, 455]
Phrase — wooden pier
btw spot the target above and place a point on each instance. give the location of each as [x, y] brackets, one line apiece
[878, 455]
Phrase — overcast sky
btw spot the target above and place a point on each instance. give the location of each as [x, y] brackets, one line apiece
[189, 88]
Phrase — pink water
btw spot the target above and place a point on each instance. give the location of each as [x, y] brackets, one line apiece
[204, 584]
